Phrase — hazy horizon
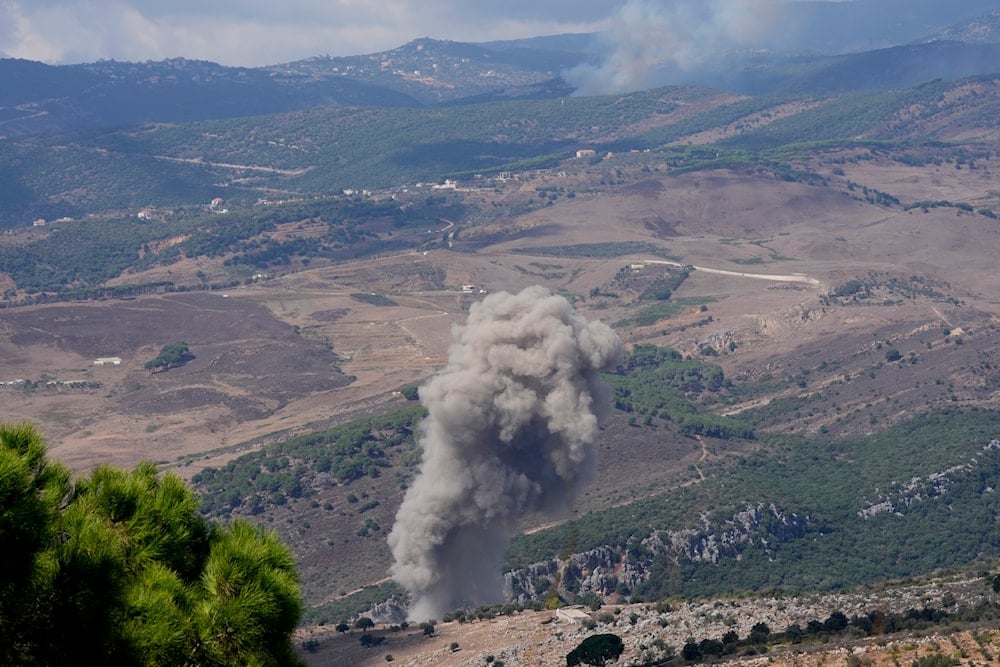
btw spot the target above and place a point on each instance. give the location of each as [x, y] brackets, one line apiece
[258, 33]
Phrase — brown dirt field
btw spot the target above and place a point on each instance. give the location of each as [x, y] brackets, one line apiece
[247, 365]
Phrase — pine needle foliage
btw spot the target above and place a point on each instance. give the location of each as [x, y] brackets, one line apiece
[120, 568]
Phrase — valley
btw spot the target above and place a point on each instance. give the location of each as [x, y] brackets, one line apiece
[805, 282]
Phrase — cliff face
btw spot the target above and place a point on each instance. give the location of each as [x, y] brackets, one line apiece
[619, 569]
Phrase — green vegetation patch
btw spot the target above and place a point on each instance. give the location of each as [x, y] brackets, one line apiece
[60, 258]
[347, 607]
[663, 310]
[659, 382]
[877, 287]
[914, 499]
[663, 287]
[844, 117]
[925, 205]
[292, 468]
[373, 299]
[172, 354]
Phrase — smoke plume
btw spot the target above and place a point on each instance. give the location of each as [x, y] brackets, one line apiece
[646, 35]
[511, 428]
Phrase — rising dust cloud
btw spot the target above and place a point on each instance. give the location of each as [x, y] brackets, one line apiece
[511, 429]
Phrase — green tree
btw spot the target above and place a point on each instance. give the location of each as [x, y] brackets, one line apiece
[127, 570]
[171, 354]
[691, 651]
[31, 493]
[596, 650]
[760, 633]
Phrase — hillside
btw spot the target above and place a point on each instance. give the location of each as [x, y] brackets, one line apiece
[805, 283]
[890, 68]
[326, 151]
[435, 71]
[39, 99]
[805, 278]
[823, 47]
[42, 99]
[982, 29]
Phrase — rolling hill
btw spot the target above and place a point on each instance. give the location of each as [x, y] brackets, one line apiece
[805, 280]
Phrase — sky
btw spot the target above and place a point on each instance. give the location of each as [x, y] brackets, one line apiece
[264, 32]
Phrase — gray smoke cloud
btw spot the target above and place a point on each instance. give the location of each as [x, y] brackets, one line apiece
[511, 429]
[645, 35]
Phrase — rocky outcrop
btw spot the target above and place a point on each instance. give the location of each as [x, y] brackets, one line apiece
[904, 495]
[618, 569]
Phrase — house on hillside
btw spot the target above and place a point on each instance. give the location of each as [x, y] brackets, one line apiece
[586, 152]
[108, 361]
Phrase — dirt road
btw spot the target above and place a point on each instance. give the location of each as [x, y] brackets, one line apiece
[775, 277]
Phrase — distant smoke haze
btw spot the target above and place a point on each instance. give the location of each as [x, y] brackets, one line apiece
[511, 429]
[646, 35]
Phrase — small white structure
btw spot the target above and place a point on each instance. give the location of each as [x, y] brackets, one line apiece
[108, 361]
[586, 152]
[469, 289]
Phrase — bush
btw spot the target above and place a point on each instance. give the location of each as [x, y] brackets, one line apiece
[596, 650]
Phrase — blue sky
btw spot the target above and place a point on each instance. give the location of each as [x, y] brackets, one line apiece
[259, 32]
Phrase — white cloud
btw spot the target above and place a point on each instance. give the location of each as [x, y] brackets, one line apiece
[259, 32]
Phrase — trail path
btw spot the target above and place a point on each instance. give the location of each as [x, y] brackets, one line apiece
[701, 459]
[942, 317]
[402, 323]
